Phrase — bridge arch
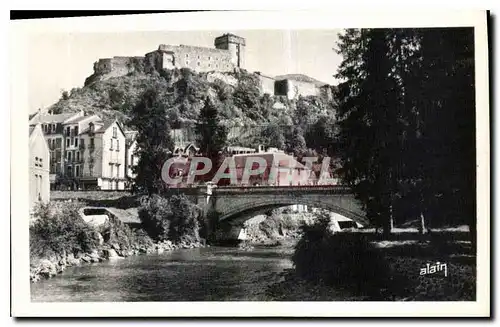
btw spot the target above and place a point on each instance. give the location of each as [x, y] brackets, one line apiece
[236, 210]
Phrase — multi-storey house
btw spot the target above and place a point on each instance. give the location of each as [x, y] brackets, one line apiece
[53, 128]
[39, 188]
[103, 148]
[85, 152]
[131, 157]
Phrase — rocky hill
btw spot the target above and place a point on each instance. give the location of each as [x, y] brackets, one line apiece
[238, 96]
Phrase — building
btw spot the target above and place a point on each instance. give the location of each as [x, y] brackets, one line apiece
[233, 150]
[131, 157]
[77, 150]
[103, 152]
[281, 169]
[39, 161]
[228, 54]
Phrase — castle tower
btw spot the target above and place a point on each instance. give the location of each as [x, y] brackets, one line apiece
[236, 46]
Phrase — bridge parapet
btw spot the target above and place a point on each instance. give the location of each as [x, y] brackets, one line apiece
[330, 189]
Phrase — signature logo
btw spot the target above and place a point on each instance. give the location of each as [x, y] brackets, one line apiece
[434, 268]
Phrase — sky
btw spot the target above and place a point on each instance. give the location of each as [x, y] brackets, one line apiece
[62, 61]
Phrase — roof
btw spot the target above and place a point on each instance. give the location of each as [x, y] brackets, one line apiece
[97, 124]
[276, 159]
[78, 119]
[102, 126]
[130, 137]
[106, 124]
[300, 78]
[239, 148]
[47, 118]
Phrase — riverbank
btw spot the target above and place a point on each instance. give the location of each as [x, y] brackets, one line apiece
[60, 238]
[49, 267]
[410, 271]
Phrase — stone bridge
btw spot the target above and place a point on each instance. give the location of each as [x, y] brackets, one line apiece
[232, 206]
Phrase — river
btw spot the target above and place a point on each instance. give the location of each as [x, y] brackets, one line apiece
[206, 274]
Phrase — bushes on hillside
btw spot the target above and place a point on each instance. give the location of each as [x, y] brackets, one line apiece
[344, 259]
[57, 229]
[116, 232]
[175, 218]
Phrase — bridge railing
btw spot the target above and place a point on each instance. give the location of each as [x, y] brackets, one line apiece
[266, 189]
[336, 189]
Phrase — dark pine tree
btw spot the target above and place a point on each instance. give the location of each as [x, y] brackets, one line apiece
[369, 102]
[154, 142]
[211, 135]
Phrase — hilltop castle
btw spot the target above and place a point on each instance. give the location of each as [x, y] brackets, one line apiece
[227, 56]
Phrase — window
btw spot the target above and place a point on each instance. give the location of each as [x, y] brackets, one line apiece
[209, 65]
[67, 142]
[92, 142]
[70, 171]
[187, 55]
[76, 141]
[68, 156]
[198, 63]
[117, 145]
[76, 130]
[111, 170]
[198, 57]
[187, 62]
[53, 128]
[114, 132]
[77, 171]
[68, 129]
[111, 148]
[209, 58]
[91, 169]
[78, 156]
[37, 186]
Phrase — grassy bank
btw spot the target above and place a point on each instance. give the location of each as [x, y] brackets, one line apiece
[355, 266]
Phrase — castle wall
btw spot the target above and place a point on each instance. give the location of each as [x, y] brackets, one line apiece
[117, 66]
[266, 84]
[236, 47]
[292, 88]
[196, 58]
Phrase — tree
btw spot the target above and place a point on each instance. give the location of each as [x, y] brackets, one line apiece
[175, 218]
[211, 134]
[65, 95]
[295, 142]
[321, 136]
[154, 142]
[272, 136]
[369, 102]
[406, 123]
[444, 153]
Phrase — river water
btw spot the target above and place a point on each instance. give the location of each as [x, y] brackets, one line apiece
[207, 274]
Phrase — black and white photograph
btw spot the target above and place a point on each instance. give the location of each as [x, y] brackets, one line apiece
[318, 165]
